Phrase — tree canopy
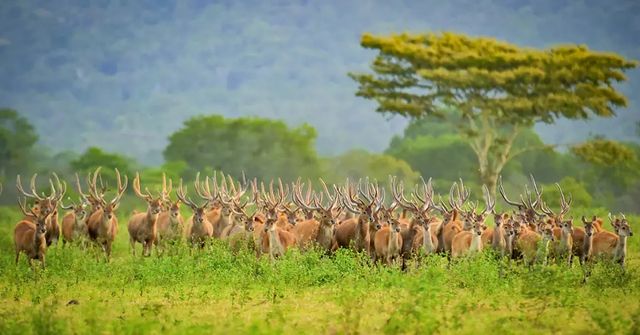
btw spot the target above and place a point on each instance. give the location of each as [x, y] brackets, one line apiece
[496, 89]
[262, 148]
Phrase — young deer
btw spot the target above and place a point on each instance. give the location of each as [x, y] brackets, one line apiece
[102, 225]
[143, 226]
[581, 239]
[495, 237]
[316, 232]
[29, 235]
[48, 205]
[585, 250]
[74, 227]
[613, 246]
[200, 229]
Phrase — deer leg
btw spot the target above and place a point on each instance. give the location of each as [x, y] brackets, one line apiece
[17, 256]
[43, 261]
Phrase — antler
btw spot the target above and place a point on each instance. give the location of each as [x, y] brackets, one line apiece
[136, 189]
[490, 203]
[34, 193]
[504, 195]
[564, 204]
[23, 207]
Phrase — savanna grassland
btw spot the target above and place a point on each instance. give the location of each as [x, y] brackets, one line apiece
[217, 291]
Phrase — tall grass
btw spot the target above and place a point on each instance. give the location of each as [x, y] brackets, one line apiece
[217, 291]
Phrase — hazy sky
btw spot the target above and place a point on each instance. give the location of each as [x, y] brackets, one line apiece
[125, 74]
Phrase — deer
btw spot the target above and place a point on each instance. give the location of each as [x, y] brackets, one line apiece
[451, 224]
[214, 209]
[74, 227]
[244, 232]
[468, 242]
[29, 235]
[586, 249]
[143, 226]
[581, 239]
[610, 245]
[388, 240]
[319, 231]
[46, 204]
[356, 232]
[417, 234]
[200, 229]
[227, 220]
[102, 225]
[564, 247]
[526, 208]
[495, 237]
[277, 240]
[535, 246]
[170, 223]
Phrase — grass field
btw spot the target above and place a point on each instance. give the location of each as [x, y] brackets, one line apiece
[215, 291]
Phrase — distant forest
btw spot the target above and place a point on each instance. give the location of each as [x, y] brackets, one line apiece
[125, 75]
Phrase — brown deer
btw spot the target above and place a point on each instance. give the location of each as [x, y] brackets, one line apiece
[143, 226]
[451, 217]
[526, 208]
[318, 232]
[534, 246]
[495, 236]
[242, 234]
[610, 245]
[214, 209]
[581, 239]
[227, 222]
[468, 242]
[564, 247]
[200, 229]
[388, 240]
[356, 232]
[277, 240]
[46, 204]
[585, 250]
[29, 235]
[170, 223]
[417, 234]
[103, 224]
[74, 227]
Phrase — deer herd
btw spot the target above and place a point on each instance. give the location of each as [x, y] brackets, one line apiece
[271, 218]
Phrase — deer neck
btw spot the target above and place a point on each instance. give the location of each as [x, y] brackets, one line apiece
[427, 242]
[274, 241]
[566, 237]
[498, 237]
[325, 234]
[362, 227]
[39, 241]
[621, 247]
[393, 239]
[151, 218]
[476, 242]
[586, 245]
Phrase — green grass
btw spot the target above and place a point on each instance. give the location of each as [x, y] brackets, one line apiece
[214, 291]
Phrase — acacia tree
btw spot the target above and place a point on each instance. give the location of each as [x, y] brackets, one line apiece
[495, 89]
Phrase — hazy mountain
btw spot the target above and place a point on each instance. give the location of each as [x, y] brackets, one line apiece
[125, 74]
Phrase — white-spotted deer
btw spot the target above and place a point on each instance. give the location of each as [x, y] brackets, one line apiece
[142, 226]
[102, 225]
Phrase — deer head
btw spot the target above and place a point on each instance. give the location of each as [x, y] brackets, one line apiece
[110, 207]
[155, 204]
[46, 204]
[199, 211]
